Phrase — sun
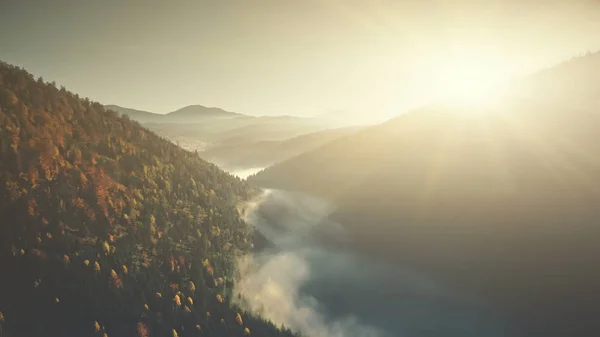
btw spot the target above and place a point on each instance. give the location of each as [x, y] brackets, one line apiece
[468, 81]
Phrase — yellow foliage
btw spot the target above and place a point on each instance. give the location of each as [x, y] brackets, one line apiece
[175, 333]
[105, 335]
[97, 326]
[146, 307]
[192, 286]
[187, 309]
[246, 331]
[97, 266]
[106, 247]
[66, 259]
[238, 319]
[177, 300]
[125, 270]
[116, 280]
[190, 301]
[86, 262]
[49, 235]
[219, 298]
[1, 317]
[159, 295]
[22, 252]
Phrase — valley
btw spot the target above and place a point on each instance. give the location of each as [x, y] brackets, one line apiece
[331, 223]
[327, 290]
[497, 202]
[387, 168]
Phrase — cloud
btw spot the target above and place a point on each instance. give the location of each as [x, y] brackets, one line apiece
[272, 280]
[322, 290]
[270, 286]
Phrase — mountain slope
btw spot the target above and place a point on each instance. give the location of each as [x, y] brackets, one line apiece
[264, 153]
[196, 113]
[196, 127]
[236, 131]
[498, 201]
[108, 229]
[137, 115]
[188, 114]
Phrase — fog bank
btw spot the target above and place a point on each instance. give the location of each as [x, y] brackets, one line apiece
[312, 287]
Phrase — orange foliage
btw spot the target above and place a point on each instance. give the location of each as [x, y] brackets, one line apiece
[39, 254]
[142, 330]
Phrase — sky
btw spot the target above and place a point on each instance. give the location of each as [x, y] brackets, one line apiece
[305, 57]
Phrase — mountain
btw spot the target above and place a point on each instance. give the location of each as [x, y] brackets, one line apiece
[198, 113]
[110, 230]
[270, 128]
[197, 127]
[236, 131]
[137, 115]
[498, 201]
[571, 83]
[188, 114]
[264, 153]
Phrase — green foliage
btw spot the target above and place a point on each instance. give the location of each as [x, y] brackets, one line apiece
[100, 214]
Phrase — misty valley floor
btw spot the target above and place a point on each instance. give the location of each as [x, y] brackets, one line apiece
[311, 286]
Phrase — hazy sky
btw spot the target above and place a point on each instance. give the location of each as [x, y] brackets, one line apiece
[287, 57]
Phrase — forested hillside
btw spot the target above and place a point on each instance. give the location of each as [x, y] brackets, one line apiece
[500, 201]
[107, 229]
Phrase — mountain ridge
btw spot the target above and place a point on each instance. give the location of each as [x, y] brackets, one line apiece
[113, 231]
[493, 200]
[186, 114]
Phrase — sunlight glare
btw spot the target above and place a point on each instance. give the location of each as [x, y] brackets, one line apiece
[470, 82]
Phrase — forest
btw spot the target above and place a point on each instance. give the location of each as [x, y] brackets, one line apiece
[109, 230]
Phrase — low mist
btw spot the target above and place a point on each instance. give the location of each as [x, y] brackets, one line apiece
[246, 172]
[307, 284]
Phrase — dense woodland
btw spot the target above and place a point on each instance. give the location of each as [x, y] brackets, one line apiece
[501, 203]
[107, 229]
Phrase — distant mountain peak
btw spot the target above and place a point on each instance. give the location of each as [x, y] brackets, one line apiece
[188, 114]
[197, 110]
